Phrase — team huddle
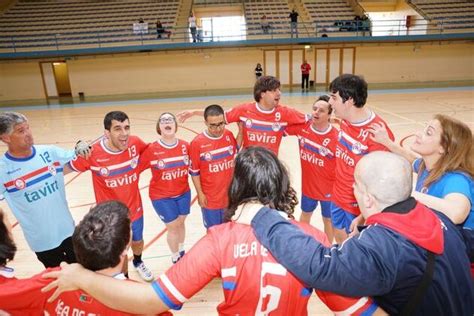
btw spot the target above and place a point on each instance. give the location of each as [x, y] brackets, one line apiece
[393, 254]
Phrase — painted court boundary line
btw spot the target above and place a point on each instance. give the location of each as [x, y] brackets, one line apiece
[42, 106]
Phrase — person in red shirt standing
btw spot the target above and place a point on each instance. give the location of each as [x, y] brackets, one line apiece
[348, 97]
[168, 159]
[263, 121]
[305, 69]
[212, 165]
[317, 140]
[114, 166]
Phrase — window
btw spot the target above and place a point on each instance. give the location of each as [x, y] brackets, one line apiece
[226, 28]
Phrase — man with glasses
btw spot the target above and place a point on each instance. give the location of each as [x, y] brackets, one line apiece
[212, 164]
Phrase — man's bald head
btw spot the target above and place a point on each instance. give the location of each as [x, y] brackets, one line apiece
[385, 176]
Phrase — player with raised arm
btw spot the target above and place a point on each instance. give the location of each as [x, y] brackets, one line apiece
[263, 121]
[212, 163]
[115, 176]
[442, 156]
[253, 282]
[168, 159]
[32, 182]
[317, 140]
[348, 98]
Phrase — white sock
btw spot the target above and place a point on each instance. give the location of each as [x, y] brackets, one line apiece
[175, 256]
[181, 247]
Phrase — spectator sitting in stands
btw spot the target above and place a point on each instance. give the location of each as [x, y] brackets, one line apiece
[265, 24]
[140, 20]
[324, 31]
[160, 30]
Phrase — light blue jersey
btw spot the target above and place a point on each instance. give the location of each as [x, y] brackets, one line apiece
[34, 189]
[449, 182]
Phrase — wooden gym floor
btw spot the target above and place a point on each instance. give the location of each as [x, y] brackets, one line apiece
[406, 111]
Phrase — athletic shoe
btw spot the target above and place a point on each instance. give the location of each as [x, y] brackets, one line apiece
[144, 272]
[175, 260]
[182, 252]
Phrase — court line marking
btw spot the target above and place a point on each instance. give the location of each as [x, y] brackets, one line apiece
[194, 99]
[396, 115]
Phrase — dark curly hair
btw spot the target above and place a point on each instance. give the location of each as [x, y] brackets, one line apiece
[260, 176]
[7, 245]
[102, 236]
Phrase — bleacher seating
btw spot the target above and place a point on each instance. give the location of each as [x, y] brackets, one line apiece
[277, 13]
[324, 13]
[447, 15]
[36, 24]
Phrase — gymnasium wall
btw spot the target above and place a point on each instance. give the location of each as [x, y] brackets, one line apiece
[231, 68]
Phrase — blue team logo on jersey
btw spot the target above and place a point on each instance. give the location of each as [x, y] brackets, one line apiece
[104, 172]
[248, 123]
[357, 148]
[339, 135]
[20, 184]
[186, 160]
[134, 163]
[231, 150]
[424, 190]
[276, 126]
[208, 156]
[301, 140]
[52, 170]
[323, 151]
[161, 164]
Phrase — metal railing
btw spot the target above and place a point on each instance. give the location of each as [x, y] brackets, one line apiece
[254, 31]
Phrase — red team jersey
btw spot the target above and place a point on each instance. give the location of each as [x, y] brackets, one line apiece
[318, 161]
[264, 128]
[22, 296]
[78, 302]
[354, 143]
[213, 160]
[253, 282]
[169, 168]
[115, 174]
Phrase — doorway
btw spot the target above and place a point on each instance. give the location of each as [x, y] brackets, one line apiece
[55, 78]
[332, 62]
[326, 64]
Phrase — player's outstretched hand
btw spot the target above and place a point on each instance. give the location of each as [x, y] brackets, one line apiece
[184, 115]
[66, 279]
[359, 220]
[83, 149]
[379, 133]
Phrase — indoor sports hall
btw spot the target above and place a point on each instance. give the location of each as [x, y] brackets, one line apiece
[65, 64]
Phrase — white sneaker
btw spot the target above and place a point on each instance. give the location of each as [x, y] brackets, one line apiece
[144, 272]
